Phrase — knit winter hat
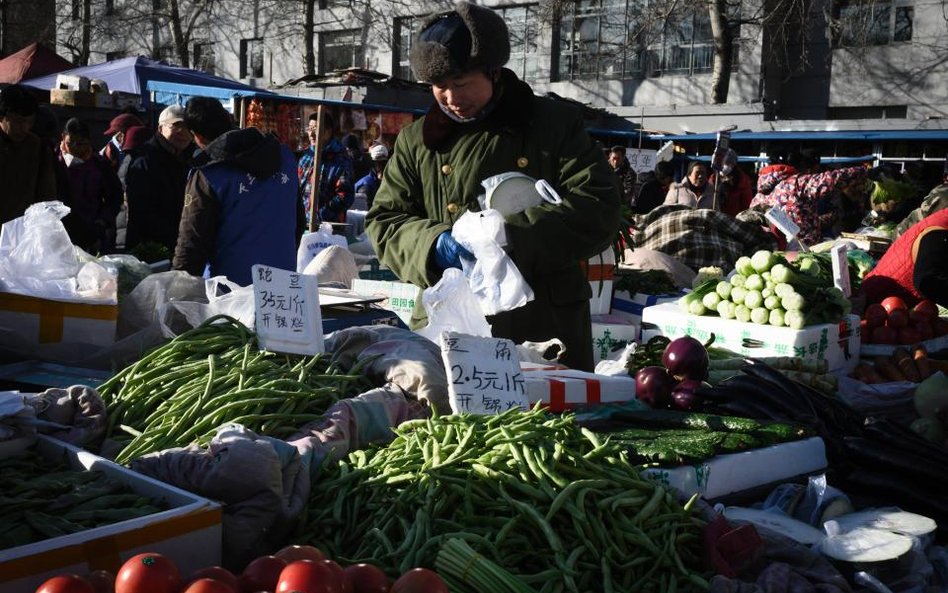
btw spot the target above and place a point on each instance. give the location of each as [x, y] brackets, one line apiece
[464, 39]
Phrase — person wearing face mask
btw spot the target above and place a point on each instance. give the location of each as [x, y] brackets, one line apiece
[112, 151]
[484, 122]
[87, 184]
[155, 180]
[26, 164]
[694, 190]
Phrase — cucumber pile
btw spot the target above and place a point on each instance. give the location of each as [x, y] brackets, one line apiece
[766, 289]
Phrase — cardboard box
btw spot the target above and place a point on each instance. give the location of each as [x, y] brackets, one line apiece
[121, 100]
[838, 343]
[189, 532]
[44, 321]
[564, 389]
[610, 334]
[71, 98]
[600, 271]
[630, 306]
[400, 297]
[73, 82]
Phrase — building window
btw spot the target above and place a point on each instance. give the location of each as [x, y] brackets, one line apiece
[76, 10]
[876, 22]
[167, 53]
[339, 50]
[114, 55]
[204, 57]
[251, 58]
[522, 23]
[405, 30]
[324, 4]
[617, 39]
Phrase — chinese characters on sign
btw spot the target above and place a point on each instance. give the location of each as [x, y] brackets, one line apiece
[640, 160]
[287, 311]
[484, 375]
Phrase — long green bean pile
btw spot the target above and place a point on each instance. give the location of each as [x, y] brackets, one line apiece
[212, 375]
[536, 494]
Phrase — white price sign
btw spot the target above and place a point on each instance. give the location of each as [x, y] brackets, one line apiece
[287, 311]
[841, 270]
[484, 374]
[784, 223]
[640, 159]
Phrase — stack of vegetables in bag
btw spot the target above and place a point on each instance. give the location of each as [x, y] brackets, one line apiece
[767, 289]
[887, 194]
[892, 322]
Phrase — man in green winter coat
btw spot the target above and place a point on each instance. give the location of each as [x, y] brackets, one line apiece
[484, 122]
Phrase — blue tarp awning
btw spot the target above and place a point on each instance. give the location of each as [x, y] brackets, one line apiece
[175, 93]
[858, 135]
[132, 75]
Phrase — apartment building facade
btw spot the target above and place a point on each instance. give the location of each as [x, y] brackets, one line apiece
[826, 65]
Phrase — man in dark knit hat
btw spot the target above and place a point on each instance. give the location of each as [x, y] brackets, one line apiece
[484, 122]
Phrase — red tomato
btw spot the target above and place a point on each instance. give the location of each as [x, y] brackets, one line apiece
[893, 303]
[344, 586]
[208, 586]
[102, 581]
[875, 315]
[66, 583]
[898, 318]
[366, 578]
[864, 331]
[926, 309]
[307, 576]
[261, 574]
[419, 580]
[218, 573]
[295, 552]
[909, 335]
[148, 573]
[883, 335]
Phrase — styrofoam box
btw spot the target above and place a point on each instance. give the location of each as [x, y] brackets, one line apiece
[736, 472]
[610, 334]
[838, 343]
[188, 532]
[400, 297]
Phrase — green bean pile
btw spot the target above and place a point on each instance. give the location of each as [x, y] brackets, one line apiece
[212, 375]
[535, 494]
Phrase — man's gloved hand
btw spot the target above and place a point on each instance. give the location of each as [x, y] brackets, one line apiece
[448, 252]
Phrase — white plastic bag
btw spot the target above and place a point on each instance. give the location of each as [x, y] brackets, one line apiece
[223, 298]
[312, 243]
[514, 192]
[493, 276]
[451, 306]
[36, 255]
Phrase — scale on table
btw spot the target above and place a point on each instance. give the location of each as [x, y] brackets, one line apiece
[341, 308]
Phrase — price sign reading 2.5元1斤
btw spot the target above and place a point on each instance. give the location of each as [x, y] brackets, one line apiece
[484, 375]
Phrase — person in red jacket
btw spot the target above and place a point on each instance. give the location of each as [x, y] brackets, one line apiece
[732, 187]
[913, 268]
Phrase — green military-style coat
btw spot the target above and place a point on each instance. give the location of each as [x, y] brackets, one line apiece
[435, 174]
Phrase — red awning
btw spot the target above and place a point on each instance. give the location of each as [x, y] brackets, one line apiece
[32, 61]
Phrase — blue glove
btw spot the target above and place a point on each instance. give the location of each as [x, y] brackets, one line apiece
[448, 252]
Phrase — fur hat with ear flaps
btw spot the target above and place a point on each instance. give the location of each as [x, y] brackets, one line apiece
[464, 39]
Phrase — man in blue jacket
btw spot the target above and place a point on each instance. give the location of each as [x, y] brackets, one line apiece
[241, 205]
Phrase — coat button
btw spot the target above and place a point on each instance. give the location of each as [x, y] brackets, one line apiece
[452, 207]
[522, 162]
[446, 169]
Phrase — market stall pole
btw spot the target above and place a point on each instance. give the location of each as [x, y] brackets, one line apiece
[314, 182]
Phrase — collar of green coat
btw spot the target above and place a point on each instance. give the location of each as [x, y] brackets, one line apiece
[514, 110]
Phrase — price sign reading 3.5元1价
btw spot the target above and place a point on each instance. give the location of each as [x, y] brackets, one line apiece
[287, 311]
[484, 375]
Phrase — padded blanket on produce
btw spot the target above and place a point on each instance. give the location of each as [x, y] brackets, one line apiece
[388, 354]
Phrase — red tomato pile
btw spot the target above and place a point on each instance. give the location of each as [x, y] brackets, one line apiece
[294, 569]
[892, 322]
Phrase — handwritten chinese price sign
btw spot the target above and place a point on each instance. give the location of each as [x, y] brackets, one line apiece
[484, 375]
[288, 317]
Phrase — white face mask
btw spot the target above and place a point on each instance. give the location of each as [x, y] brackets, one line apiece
[71, 160]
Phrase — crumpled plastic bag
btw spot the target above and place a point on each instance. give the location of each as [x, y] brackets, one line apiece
[389, 355]
[17, 424]
[223, 298]
[263, 482]
[311, 244]
[493, 276]
[354, 423]
[451, 306]
[37, 246]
